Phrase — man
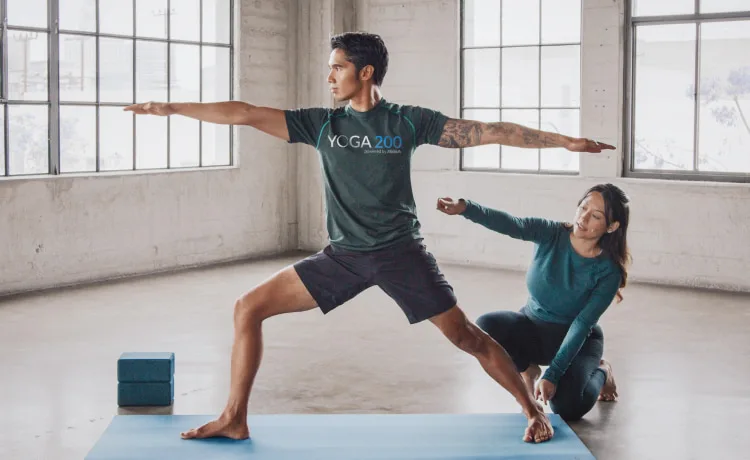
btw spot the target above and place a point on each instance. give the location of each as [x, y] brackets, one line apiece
[365, 151]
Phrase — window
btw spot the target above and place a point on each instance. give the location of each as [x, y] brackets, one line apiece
[63, 91]
[520, 63]
[689, 87]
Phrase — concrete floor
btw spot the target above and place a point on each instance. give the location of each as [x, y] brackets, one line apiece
[680, 358]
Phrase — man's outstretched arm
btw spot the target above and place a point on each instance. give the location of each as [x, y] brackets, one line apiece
[269, 120]
[469, 133]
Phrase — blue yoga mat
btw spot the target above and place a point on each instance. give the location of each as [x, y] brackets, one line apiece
[339, 437]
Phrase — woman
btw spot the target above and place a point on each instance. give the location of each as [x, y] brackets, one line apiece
[576, 272]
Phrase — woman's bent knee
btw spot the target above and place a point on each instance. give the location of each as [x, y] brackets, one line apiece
[569, 410]
[485, 322]
[569, 415]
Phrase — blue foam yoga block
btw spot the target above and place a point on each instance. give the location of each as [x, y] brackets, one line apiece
[145, 367]
[145, 393]
[339, 437]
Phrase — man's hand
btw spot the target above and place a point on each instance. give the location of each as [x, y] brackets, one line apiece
[587, 145]
[450, 207]
[545, 390]
[151, 108]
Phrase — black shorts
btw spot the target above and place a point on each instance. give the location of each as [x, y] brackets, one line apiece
[405, 271]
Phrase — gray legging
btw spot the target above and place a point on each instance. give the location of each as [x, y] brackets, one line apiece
[530, 341]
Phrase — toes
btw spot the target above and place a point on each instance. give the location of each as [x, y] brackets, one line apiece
[528, 435]
[196, 433]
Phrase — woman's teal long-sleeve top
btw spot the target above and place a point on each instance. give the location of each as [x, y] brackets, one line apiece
[564, 287]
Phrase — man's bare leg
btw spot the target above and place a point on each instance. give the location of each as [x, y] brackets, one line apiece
[530, 376]
[282, 293]
[496, 362]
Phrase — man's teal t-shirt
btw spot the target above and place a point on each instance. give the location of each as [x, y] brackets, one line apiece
[366, 163]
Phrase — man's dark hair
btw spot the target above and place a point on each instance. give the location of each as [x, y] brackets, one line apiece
[363, 49]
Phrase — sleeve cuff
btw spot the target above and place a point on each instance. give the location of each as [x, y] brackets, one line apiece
[552, 375]
[442, 119]
[471, 209]
[288, 114]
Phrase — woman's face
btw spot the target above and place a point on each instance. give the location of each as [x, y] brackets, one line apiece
[590, 220]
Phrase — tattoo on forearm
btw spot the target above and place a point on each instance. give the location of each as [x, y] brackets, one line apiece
[467, 133]
[460, 133]
[534, 138]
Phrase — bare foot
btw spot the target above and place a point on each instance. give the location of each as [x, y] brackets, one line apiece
[609, 390]
[539, 429]
[223, 427]
[530, 376]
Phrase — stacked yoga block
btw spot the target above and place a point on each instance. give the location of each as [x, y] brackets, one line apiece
[145, 379]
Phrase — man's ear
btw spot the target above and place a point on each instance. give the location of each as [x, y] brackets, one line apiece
[367, 72]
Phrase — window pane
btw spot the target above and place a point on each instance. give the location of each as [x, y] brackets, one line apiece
[116, 17]
[561, 76]
[78, 15]
[30, 13]
[2, 140]
[151, 71]
[77, 139]
[215, 144]
[482, 78]
[664, 102]
[150, 142]
[186, 20]
[116, 70]
[28, 131]
[520, 22]
[185, 73]
[721, 6]
[215, 74]
[216, 21]
[483, 156]
[521, 77]
[663, 7]
[184, 142]
[724, 120]
[27, 65]
[151, 18]
[517, 157]
[77, 68]
[561, 21]
[115, 139]
[565, 122]
[481, 23]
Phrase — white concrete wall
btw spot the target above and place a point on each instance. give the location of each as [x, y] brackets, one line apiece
[314, 26]
[70, 229]
[683, 233]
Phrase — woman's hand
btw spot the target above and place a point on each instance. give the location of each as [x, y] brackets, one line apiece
[545, 390]
[450, 207]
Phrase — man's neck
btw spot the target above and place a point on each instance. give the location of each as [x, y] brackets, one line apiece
[366, 100]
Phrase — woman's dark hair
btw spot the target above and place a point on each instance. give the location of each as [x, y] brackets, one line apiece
[363, 49]
[615, 244]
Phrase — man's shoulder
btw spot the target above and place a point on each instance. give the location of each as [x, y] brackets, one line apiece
[321, 111]
[406, 109]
